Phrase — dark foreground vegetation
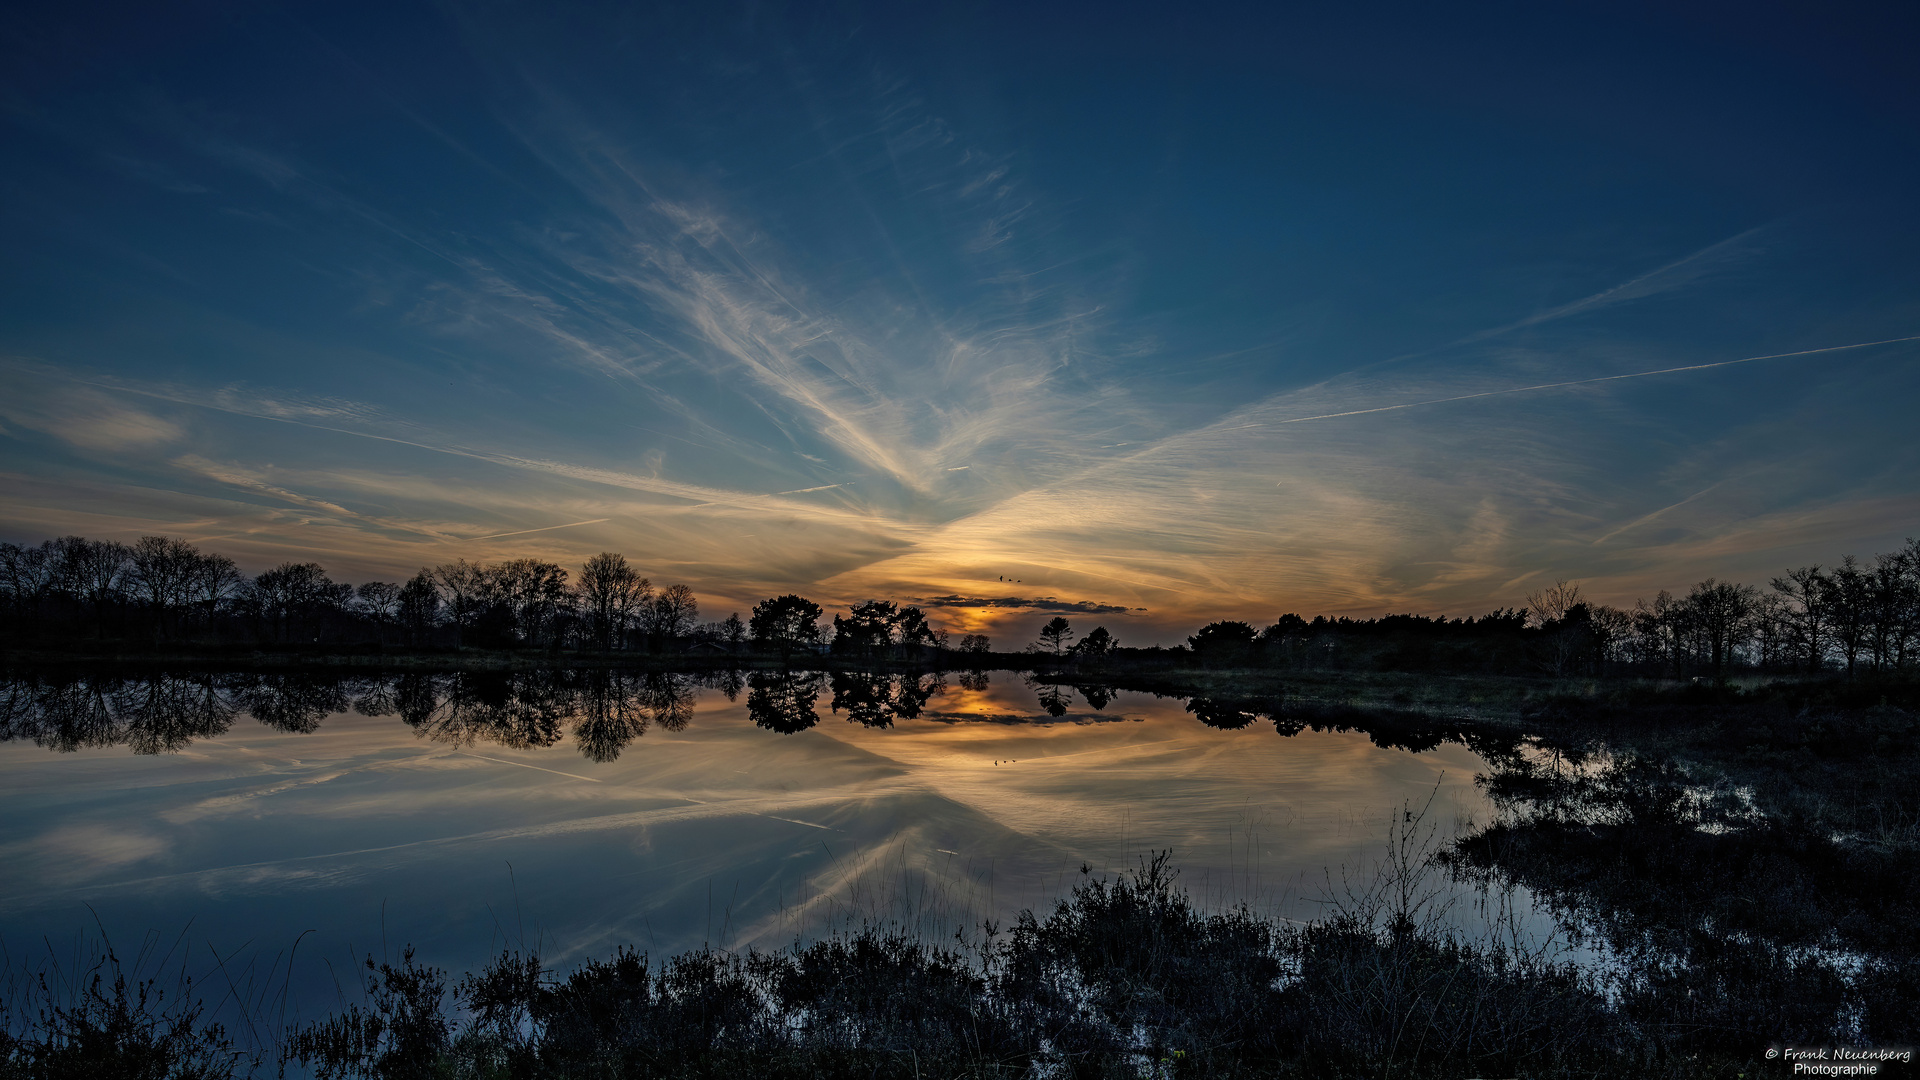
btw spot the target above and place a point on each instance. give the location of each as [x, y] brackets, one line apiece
[1125, 977]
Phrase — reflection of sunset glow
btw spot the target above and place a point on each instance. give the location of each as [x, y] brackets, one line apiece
[985, 801]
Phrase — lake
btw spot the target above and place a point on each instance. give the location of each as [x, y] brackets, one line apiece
[580, 811]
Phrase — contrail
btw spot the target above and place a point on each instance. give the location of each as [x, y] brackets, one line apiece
[1597, 379]
[549, 528]
[524, 765]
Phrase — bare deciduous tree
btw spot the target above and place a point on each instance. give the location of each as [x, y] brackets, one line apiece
[671, 614]
[1552, 604]
[612, 593]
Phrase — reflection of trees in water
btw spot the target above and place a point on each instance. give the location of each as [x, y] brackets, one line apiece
[876, 700]
[1055, 699]
[911, 693]
[1730, 900]
[166, 713]
[729, 682]
[415, 696]
[783, 701]
[1098, 697]
[974, 680]
[294, 703]
[75, 715]
[151, 715]
[865, 698]
[670, 697]
[512, 709]
[603, 710]
[610, 715]
[375, 696]
[1227, 715]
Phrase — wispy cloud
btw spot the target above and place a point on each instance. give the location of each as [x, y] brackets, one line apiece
[1674, 275]
[1596, 379]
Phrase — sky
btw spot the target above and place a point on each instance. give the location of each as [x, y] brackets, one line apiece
[1146, 315]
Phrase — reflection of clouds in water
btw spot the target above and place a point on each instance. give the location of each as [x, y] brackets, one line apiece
[718, 831]
[80, 854]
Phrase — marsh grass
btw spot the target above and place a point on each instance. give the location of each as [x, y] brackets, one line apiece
[1124, 976]
[83, 1011]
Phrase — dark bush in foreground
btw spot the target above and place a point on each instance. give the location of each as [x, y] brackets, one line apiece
[104, 1024]
[1126, 977]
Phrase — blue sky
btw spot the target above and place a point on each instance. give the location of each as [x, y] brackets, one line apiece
[1115, 304]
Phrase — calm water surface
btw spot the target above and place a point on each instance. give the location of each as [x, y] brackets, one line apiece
[589, 811]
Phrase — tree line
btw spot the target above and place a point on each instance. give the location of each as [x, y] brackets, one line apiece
[168, 590]
[1853, 616]
[1856, 616]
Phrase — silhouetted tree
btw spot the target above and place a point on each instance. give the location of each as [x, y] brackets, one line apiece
[786, 623]
[1552, 603]
[1806, 591]
[1890, 597]
[1849, 605]
[866, 629]
[612, 593]
[1721, 614]
[379, 603]
[465, 589]
[28, 575]
[1909, 638]
[670, 615]
[1223, 644]
[291, 596]
[1656, 627]
[419, 607]
[534, 593]
[1096, 646]
[216, 583]
[160, 574]
[91, 571]
[1056, 634]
